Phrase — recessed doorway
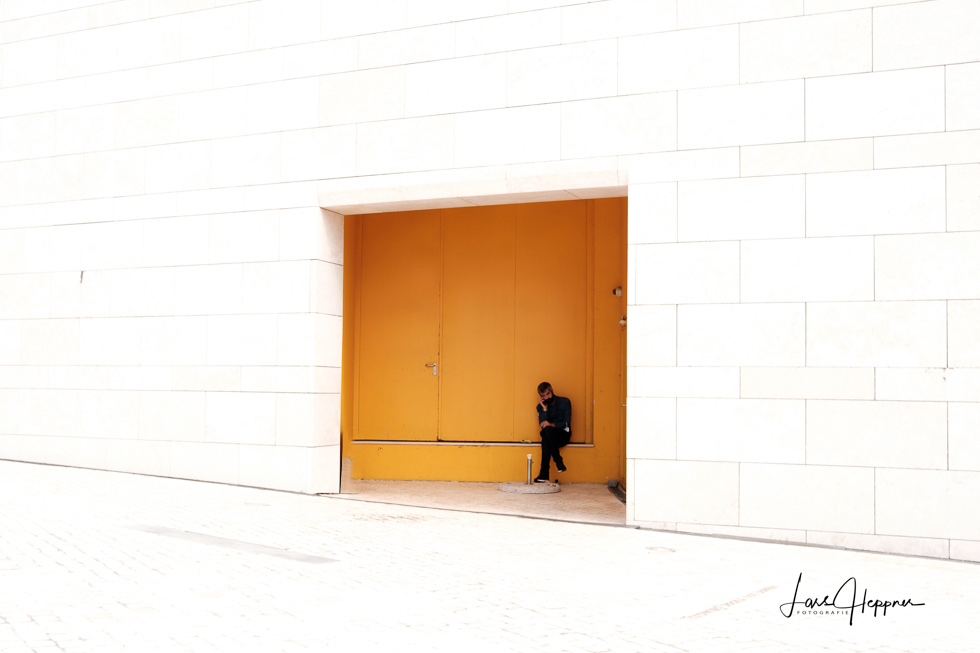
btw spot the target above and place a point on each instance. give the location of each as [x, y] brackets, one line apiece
[452, 318]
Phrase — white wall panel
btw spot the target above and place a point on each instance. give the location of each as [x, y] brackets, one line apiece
[743, 430]
[29, 137]
[173, 341]
[47, 342]
[213, 32]
[29, 62]
[149, 42]
[964, 445]
[876, 202]
[281, 287]
[408, 46]
[183, 77]
[652, 213]
[876, 434]
[454, 85]
[362, 96]
[112, 341]
[207, 378]
[811, 46]
[319, 153]
[405, 145]
[926, 34]
[748, 114]
[113, 173]
[692, 492]
[928, 266]
[927, 384]
[208, 290]
[148, 291]
[687, 273]
[204, 461]
[108, 414]
[962, 200]
[875, 104]
[736, 209]
[680, 166]
[845, 500]
[876, 334]
[283, 22]
[176, 241]
[684, 59]
[807, 382]
[320, 58]
[246, 160]
[653, 336]
[523, 134]
[561, 73]
[927, 503]
[366, 17]
[928, 149]
[618, 18]
[797, 158]
[248, 236]
[962, 96]
[172, 416]
[241, 340]
[88, 52]
[281, 106]
[622, 125]
[823, 6]
[23, 296]
[712, 382]
[741, 335]
[515, 31]
[48, 412]
[808, 269]
[696, 13]
[212, 114]
[185, 166]
[652, 424]
[240, 417]
[138, 457]
[964, 325]
[153, 121]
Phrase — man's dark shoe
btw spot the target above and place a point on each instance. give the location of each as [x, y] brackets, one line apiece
[541, 480]
[561, 467]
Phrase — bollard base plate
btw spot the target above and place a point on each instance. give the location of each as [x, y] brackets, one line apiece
[533, 488]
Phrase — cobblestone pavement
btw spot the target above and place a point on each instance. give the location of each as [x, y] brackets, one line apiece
[100, 561]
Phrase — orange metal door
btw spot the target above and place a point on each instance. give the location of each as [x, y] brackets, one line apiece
[476, 400]
[397, 394]
[551, 331]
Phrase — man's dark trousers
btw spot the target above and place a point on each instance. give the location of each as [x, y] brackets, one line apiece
[552, 440]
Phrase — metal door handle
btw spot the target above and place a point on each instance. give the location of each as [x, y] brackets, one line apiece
[434, 366]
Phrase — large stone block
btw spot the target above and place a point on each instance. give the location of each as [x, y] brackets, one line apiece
[875, 104]
[876, 434]
[742, 430]
[810, 46]
[876, 334]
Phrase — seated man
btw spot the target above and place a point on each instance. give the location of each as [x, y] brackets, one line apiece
[555, 421]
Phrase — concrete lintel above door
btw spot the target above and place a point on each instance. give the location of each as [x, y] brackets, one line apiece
[456, 188]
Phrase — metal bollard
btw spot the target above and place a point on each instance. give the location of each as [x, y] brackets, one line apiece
[529, 469]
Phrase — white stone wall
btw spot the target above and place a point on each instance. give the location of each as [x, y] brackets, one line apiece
[804, 257]
[805, 279]
[170, 290]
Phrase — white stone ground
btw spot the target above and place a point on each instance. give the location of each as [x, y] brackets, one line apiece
[99, 561]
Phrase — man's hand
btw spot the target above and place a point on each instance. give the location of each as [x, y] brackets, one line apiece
[544, 424]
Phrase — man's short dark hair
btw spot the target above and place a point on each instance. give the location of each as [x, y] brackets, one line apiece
[543, 387]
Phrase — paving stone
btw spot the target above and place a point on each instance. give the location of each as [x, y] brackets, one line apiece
[93, 563]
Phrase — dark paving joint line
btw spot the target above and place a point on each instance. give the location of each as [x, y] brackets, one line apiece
[238, 545]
